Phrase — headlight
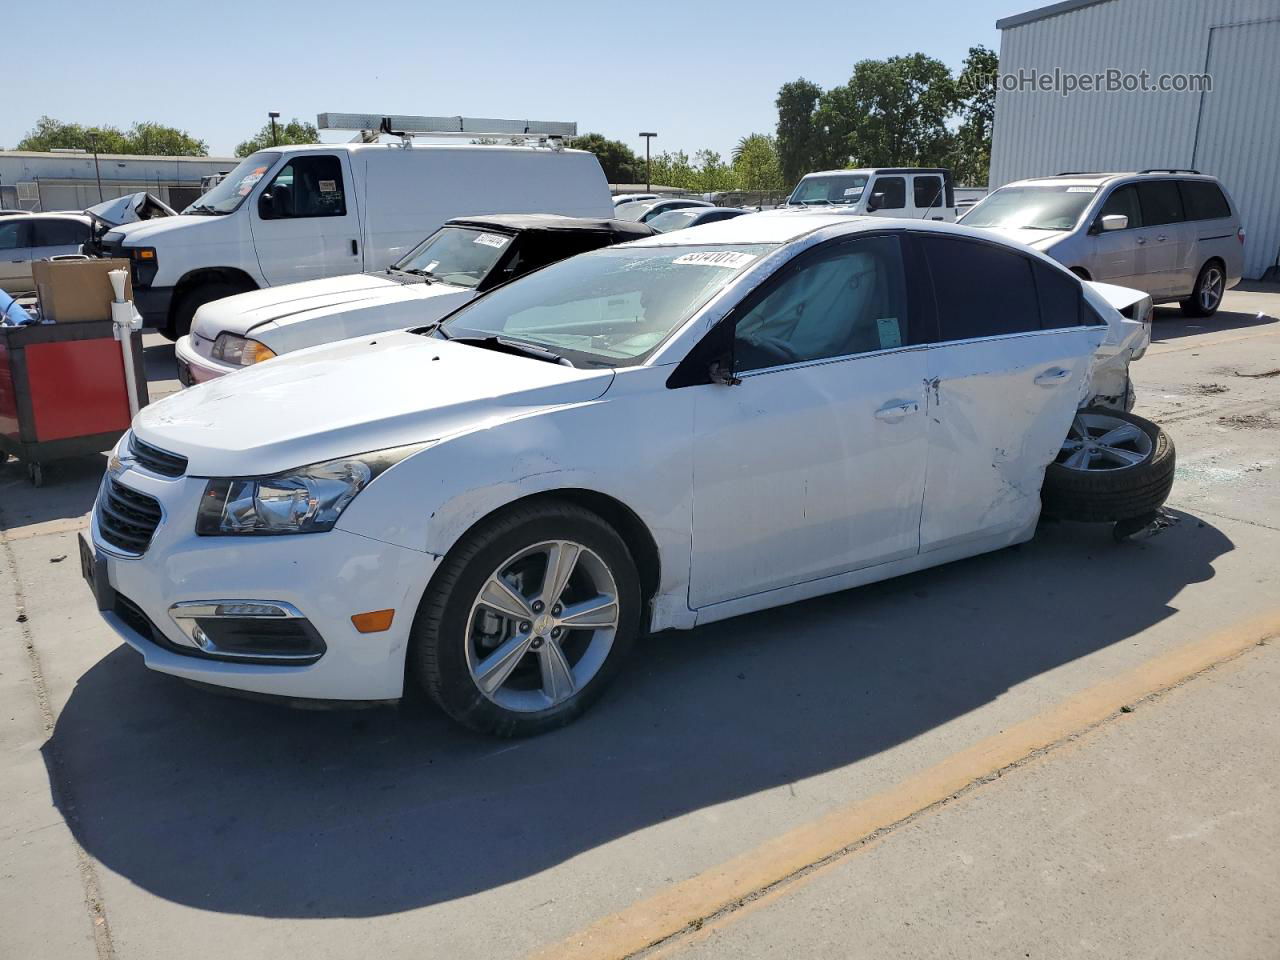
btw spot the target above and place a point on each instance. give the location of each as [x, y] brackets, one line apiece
[240, 350]
[306, 500]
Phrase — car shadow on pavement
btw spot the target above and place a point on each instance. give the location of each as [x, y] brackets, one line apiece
[250, 808]
[1168, 323]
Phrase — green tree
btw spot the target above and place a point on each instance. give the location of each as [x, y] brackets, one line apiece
[713, 173]
[894, 112]
[620, 164]
[674, 170]
[295, 131]
[141, 138]
[799, 145]
[755, 161]
[976, 88]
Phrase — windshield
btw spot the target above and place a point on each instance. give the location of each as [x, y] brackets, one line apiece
[1031, 208]
[634, 210]
[675, 219]
[230, 193]
[835, 188]
[608, 308]
[458, 255]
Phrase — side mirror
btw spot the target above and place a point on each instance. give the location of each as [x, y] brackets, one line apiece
[875, 203]
[1114, 221]
[266, 209]
[721, 372]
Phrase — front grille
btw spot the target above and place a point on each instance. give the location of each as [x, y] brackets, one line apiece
[127, 518]
[156, 460]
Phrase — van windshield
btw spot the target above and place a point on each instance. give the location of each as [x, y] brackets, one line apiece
[237, 184]
[836, 188]
[458, 255]
[608, 308]
[1031, 208]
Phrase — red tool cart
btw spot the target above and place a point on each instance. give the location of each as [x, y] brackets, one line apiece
[62, 391]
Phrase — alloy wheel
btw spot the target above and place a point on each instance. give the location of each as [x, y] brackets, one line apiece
[1100, 442]
[542, 626]
[1211, 289]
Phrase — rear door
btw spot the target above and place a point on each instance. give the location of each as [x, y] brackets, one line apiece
[57, 236]
[1006, 371]
[15, 255]
[305, 223]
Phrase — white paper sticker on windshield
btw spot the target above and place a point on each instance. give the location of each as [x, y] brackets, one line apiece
[328, 186]
[719, 258]
[1082, 189]
[492, 240]
[852, 191]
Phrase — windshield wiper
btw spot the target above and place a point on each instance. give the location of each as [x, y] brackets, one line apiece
[505, 345]
[427, 277]
[205, 208]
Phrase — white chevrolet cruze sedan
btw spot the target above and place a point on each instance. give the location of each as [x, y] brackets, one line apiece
[651, 436]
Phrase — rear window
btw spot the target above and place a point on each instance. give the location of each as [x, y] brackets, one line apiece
[965, 275]
[1203, 200]
[1161, 202]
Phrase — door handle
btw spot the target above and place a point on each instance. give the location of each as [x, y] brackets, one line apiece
[1162, 238]
[1051, 377]
[1141, 241]
[355, 249]
[895, 411]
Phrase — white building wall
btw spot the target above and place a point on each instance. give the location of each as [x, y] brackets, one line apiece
[1232, 132]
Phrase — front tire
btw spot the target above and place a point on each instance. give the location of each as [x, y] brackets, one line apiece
[184, 310]
[1206, 296]
[527, 620]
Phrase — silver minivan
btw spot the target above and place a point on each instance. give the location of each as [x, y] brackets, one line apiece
[1174, 234]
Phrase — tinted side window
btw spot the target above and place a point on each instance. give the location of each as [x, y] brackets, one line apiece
[1161, 202]
[981, 290]
[1124, 201]
[894, 190]
[15, 234]
[60, 233]
[926, 192]
[309, 186]
[1203, 200]
[852, 299]
[1059, 296]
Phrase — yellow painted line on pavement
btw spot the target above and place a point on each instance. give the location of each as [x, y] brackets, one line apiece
[685, 906]
[62, 525]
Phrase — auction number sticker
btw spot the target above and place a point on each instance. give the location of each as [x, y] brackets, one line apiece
[718, 258]
[492, 240]
[1082, 189]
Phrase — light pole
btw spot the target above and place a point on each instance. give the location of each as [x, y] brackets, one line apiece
[97, 171]
[273, 114]
[648, 174]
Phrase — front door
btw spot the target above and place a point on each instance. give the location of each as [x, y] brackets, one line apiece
[813, 465]
[1115, 256]
[1014, 344]
[56, 237]
[305, 223]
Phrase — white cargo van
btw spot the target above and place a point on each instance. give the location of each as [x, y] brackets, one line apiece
[919, 193]
[304, 212]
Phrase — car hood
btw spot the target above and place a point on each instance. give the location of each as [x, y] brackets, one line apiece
[140, 231]
[1038, 239]
[299, 315]
[129, 209]
[353, 397]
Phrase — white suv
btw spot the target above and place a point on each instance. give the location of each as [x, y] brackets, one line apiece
[1174, 234]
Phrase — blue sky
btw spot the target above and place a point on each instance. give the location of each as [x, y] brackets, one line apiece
[700, 72]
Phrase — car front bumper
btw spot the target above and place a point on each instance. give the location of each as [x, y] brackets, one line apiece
[153, 304]
[328, 577]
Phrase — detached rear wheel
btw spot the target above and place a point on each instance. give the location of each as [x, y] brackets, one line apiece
[528, 620]
[1112, 466]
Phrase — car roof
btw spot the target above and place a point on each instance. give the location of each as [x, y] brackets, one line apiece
[1092, 179]
[784, 226]
[53, 215]
[870, 171]
[622, 230]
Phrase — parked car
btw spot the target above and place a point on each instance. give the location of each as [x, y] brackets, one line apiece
[645, 210]
[27, 237]
[920, 193]
[294, 213]
[693, 217]
[622, 198]
[463, 259]
[650, 436]
[1173, 234]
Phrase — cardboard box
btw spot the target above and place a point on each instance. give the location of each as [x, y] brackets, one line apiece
[76, 291]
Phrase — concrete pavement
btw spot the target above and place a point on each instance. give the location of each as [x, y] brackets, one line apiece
[241, 829]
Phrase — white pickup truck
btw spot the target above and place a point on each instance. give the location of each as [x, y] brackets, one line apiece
[919, 193]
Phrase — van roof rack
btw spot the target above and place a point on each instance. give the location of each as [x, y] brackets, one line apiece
[370, 125]
[1172, 170]
[1078, 173]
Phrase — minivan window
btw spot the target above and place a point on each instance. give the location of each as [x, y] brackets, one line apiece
[837, 188]
[965, 274]
[609, 308]
[15, 234]
[458, 255]
[237, 185]
[1203, 200]
[307, 186]
[1123, 201]
[1032, 207]
[894, 190]
[927, 192]
[60, 233]
[1161, 202]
